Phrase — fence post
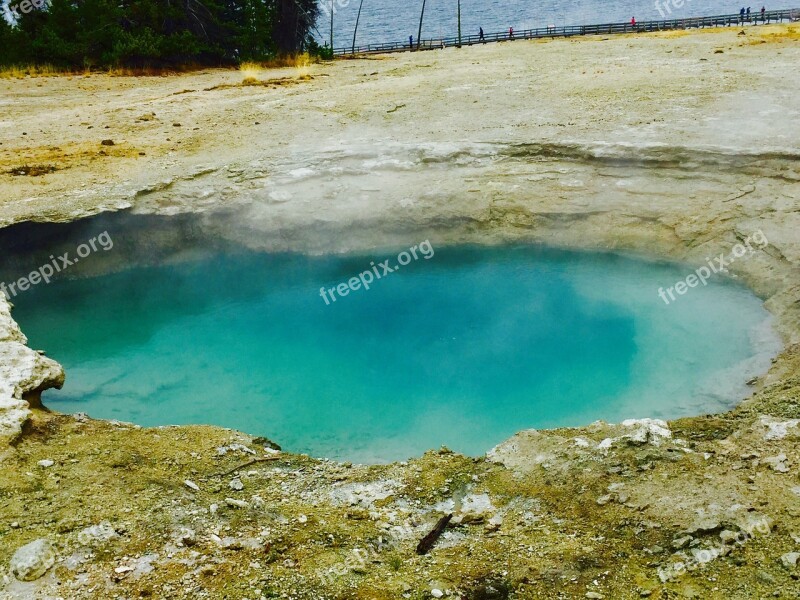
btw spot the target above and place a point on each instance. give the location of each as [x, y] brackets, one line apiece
[459, 23]
[421, 14]
[355, 31]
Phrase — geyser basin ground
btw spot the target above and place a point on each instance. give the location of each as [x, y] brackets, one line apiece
[462, 349]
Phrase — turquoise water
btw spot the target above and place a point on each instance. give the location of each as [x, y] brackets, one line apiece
[463, 349]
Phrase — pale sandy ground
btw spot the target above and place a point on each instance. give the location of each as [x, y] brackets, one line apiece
[666, 145]
[661, 89]
[377, 141]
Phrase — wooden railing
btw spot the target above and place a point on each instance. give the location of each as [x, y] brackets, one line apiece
[770, 16]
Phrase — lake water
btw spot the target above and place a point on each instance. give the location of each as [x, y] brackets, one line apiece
[462, 349]
[389, 21]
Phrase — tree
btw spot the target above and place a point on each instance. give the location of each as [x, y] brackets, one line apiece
[80, 33]
[294, 20]
[254, 21]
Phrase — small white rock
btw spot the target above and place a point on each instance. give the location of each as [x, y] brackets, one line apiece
[777, 463]
[778, 429]
[437, 593]
[727, 536]
[236, 484]
[46, 463]
[494, 523]
[187, 537]
[31, 561]
[97, 534]
[605, 444]
[476, 508]
[680, 542]
[191, 485]
[789, 560]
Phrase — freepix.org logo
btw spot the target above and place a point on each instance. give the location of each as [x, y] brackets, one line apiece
[57, 264]
[365, 279]
[12, 11]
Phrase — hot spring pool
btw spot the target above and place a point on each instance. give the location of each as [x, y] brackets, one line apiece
[463, 349]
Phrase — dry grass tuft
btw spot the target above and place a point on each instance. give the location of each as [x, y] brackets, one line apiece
[46, 70]
[778, 35]
[32, 170]
[255, 82]
[249, 69]
[297, 60]
[253, 70]
[23, 71]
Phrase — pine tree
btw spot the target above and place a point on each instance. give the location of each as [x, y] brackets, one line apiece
[96, 33]
[255, 19]
[294, 20]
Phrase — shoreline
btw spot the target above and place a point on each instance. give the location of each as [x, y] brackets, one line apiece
[599, 479]
[718, 391]
[626, 27]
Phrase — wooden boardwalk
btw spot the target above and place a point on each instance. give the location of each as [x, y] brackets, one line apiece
[770, 16]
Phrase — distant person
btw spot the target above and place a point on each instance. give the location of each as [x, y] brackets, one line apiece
[480, 35]
[748, 13]
[763, 14]
[633, 21]
[511, 33]
[741, 15]
[411, 42]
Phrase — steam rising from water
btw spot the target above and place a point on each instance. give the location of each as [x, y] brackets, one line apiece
[485, 340]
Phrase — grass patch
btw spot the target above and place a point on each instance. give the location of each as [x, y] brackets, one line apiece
[23, 71]
[46, 70]
[786, 33]
[255, 82]
[299, 61]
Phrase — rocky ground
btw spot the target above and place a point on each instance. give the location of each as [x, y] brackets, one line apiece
[699, 508]
[671, 146]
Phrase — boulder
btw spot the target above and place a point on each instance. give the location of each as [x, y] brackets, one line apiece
[31, 561]
[789, 560]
